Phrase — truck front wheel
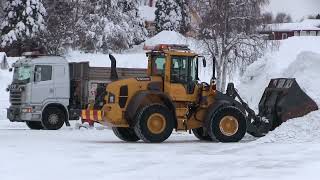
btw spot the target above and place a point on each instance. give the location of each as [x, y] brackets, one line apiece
[125, 134]
[35, 125]
[53, 118]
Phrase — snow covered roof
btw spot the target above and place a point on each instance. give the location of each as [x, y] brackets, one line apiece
[308, 24]
[147, 13]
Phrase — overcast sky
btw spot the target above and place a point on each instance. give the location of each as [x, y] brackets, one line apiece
[297, 8]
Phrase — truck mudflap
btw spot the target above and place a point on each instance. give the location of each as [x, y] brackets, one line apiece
[282, 100]
[91, 116]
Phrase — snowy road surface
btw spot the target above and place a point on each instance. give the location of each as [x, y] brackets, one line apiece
[98, 154]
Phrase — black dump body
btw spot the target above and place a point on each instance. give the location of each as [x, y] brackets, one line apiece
[282, 100]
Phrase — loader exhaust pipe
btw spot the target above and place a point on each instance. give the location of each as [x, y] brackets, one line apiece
[113, 73]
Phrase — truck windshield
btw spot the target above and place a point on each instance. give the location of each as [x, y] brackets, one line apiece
[22, 74]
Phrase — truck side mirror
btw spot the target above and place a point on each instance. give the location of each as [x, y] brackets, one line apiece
[10, 69]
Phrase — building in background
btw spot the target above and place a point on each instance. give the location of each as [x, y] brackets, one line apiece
[308, 27]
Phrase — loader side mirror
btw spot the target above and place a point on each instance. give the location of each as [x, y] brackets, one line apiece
[204, 61]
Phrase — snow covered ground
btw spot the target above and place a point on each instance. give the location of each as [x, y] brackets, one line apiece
[289, 152]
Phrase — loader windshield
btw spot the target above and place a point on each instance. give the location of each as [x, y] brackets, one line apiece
[184, 69]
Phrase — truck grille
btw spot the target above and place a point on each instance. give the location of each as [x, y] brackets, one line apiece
[15, 97]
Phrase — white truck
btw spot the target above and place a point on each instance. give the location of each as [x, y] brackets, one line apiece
[48, 91]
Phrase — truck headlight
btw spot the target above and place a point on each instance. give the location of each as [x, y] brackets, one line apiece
[26, 110]
[111, 98]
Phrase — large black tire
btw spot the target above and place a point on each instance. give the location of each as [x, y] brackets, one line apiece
[125, 134]
[53, 118]
[154, 123]
[35, 125]
[228, 124]
[198, 133]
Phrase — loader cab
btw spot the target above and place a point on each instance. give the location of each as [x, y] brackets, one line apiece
[178, 67]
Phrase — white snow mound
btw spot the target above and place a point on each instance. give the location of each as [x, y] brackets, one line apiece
[298, 130]
[299, 58]
[167, 37]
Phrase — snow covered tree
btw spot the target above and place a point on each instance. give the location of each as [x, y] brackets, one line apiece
[113, 25]
[172, 15]
[60, 25]
[283, 18]
[24, 21]
[229, 34]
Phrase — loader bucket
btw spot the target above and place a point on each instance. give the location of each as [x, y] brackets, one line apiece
[282, 100]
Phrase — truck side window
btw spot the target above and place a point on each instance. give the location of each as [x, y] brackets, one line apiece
[45, 72]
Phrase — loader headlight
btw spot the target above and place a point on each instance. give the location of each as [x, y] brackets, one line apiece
[111, 98]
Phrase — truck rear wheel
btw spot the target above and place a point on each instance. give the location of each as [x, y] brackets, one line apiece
[198, 133]
[228, 124]
[125, 134]
[154, 123]
[53, 118]
[35, 125]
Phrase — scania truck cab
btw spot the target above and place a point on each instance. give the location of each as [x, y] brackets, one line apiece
[48, 91]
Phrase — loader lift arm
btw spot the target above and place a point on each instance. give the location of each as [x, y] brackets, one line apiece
[256, 126]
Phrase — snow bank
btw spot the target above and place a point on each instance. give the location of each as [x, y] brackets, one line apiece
[304, 129]
[299, 58]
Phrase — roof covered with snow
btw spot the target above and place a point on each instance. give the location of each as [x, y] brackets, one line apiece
[308, 24]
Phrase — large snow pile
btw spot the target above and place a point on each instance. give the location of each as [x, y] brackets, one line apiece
[299, 58]
[172, 37]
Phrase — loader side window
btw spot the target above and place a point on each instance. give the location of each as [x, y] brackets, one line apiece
[158, 65]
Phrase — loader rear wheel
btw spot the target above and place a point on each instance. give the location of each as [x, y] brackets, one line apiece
[154, 123]
[228, 124]
[125, 134]
[35, 125]
[53, 118]
[198, 133]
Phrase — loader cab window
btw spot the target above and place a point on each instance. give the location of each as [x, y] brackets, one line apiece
[158, 65]
[184, 69]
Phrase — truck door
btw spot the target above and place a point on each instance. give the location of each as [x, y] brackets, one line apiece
[61, 82]
[43, 85]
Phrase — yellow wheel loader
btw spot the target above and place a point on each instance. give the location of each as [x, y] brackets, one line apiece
[171, 98]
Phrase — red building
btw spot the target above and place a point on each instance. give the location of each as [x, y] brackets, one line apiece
[308, 27]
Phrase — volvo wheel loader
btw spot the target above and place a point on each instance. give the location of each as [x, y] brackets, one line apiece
[171, 97]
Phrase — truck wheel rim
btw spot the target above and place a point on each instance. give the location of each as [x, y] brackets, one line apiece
[229, 125]
[53, 119]
[156, 123]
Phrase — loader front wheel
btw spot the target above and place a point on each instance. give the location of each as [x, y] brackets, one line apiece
[154, 123]
[125, 134]
[201, 135]
[228, 124]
